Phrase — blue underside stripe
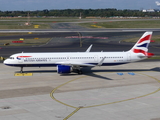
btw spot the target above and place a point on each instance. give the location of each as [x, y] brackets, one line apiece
[53, 65]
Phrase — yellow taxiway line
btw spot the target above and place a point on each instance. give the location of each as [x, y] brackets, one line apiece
[78, 108]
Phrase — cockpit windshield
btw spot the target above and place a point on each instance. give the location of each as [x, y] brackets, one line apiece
[11, 57]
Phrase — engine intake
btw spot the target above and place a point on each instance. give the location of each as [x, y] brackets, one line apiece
[61, 69]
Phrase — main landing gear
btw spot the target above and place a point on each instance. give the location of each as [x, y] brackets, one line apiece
[21, 71]
[77, 69]
[79, 72]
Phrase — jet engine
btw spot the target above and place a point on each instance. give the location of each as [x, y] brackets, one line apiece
[61, 69]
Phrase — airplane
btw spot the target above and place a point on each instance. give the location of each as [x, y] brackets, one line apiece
[67, 62]
[157, 3]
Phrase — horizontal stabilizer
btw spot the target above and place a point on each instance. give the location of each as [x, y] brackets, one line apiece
[149, 54]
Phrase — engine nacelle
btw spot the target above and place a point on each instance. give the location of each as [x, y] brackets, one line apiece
[63, 69]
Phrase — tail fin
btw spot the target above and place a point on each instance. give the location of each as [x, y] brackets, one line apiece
[142, 45]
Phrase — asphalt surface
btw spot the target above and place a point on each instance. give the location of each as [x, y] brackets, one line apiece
[59, 42]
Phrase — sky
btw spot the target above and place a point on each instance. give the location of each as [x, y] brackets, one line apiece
[30, 5]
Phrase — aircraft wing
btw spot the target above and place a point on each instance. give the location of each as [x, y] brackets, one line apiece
[75, 64]
[71, 63]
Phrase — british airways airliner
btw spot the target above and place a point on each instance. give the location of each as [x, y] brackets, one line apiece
[66, 62]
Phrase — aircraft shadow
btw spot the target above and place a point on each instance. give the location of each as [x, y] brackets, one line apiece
[157, 69]
[89, 72]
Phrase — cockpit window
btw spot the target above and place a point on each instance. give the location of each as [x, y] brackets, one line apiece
[11, 58]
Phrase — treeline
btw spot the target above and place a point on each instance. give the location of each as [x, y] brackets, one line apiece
[83, 12]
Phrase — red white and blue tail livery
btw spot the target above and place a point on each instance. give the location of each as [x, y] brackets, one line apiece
[142, 45]
[74, 61]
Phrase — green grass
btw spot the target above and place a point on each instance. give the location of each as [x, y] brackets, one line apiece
[125, 24]
[18, 23]
[155, 58]
[155, 38]
[12, 34]
[22, 26]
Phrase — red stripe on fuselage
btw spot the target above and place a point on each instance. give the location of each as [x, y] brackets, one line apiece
[23, 56]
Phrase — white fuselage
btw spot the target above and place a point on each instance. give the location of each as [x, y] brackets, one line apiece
[53, 59]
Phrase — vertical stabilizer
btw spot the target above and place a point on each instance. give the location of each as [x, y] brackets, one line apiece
[142, 45]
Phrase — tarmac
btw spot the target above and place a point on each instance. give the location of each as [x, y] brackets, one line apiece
[125, 92]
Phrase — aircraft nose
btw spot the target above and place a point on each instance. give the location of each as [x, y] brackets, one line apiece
[6, 62]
